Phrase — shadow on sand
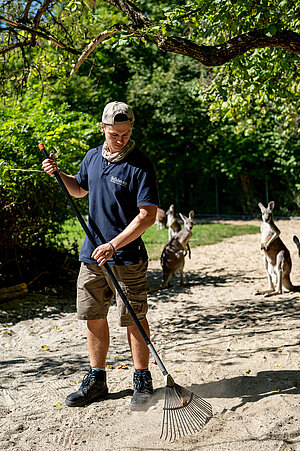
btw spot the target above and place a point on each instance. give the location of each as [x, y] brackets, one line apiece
[251, 389]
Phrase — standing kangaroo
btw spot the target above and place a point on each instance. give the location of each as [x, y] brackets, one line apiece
[172, 257]
[277, 259]
[188, 223]
[172, 223]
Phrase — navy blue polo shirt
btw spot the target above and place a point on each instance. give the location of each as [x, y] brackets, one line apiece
[116, 190]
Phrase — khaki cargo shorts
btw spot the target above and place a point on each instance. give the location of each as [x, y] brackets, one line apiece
[95, 291]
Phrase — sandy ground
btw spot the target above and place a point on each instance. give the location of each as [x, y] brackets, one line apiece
[217, 338]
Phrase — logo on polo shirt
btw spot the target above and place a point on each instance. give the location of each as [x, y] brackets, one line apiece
[117, 181]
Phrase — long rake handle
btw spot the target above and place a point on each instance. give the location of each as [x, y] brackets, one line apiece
[109, 271]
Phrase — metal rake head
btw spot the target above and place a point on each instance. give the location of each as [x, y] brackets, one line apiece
[184, 413]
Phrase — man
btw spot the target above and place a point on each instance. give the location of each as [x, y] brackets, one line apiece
[123, 201]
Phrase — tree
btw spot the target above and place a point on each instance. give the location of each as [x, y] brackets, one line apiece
[254, 90]
[254, 95]
[247, 25]
[251, 46]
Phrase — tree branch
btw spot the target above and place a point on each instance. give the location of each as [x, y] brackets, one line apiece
[40, 12]
[211, 55]
[40, 34]
[14, 46]
[132, 11]
[92, 45]
[208, 55]
[26, 11]
[223, 53]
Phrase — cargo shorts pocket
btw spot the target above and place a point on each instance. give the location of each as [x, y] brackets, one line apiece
[93, 293]
[133, 281]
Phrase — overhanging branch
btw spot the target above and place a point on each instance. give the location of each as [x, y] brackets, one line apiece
[40, 34]
[215, 55]
[9, 48]
[92, 45]
[208, 55]
[220, 54]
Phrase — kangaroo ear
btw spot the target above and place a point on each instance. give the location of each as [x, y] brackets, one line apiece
[296, 240]
[184, 218]
[191, 214]
[271, 205]
[262, 208]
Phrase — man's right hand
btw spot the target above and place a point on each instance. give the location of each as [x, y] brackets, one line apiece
[49, 165]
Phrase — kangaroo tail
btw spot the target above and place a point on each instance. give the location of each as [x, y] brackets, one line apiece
[286, 282]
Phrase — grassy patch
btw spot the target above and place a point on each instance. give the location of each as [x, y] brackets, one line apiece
[203, 234]
[72, 237]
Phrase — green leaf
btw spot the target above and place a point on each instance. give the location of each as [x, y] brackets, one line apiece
[272, 30]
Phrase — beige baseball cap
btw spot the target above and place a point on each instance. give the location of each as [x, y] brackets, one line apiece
[113, 109]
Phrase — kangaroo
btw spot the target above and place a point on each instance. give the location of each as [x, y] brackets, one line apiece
[172, 223]
[172, 257]
[277, 259]
[188, 223]
[297, 242]
[161, 219]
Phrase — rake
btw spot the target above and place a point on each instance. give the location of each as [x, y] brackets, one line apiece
[184, 412]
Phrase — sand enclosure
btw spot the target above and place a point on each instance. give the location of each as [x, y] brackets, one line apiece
[236, 350]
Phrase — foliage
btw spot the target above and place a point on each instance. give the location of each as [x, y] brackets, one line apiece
[196, 160]
[264, 78]
[259, 76]
[31, 203]
[70, 237]
[172, 127]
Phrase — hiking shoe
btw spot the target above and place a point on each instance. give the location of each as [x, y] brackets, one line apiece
[93, 387]
[143, 389]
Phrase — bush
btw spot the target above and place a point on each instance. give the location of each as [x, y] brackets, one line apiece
[32, 205]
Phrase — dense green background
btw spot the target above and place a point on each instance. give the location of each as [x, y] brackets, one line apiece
[221, 139]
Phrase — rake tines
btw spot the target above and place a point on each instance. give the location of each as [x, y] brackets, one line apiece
[184, 412]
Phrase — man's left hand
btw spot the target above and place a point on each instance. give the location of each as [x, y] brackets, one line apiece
[102, 253]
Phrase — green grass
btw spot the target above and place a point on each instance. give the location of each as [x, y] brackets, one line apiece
[203, 234]
[72, 237]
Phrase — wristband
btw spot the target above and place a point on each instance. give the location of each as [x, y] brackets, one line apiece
[112, 246]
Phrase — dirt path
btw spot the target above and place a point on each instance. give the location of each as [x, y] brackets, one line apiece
[236, 350]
